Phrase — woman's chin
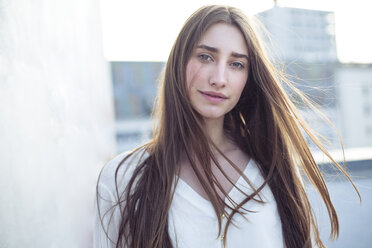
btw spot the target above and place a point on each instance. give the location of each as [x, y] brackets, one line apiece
[215, 117]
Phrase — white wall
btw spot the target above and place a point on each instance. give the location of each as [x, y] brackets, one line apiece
[56, 121]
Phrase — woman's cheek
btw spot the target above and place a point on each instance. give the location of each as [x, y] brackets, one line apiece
[192, 70]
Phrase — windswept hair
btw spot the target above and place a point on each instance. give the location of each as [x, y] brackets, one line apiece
[265, 124]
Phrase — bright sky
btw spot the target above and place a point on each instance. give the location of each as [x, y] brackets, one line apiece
[144, 30]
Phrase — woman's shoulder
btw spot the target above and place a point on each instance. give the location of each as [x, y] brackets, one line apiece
[112, 182]
[120, 167]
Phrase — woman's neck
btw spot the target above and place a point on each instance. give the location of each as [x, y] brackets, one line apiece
[214, 129]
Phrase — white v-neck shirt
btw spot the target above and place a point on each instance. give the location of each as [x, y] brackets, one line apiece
[192, 220]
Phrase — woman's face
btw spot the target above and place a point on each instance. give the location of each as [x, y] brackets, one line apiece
[217, 71]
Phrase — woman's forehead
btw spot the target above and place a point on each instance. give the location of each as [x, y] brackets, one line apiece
[223, 36]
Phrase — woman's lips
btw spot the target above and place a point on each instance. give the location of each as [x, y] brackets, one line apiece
[214, 97]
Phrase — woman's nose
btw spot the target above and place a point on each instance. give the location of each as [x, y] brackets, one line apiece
[218, 76]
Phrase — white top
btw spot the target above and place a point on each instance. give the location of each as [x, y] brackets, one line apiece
[192, 219]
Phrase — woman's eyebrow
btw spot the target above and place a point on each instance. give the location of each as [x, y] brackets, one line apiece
[215, 50]
[239, 55]
[209, 48]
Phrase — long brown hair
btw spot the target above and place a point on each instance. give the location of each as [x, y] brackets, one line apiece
[265, 124]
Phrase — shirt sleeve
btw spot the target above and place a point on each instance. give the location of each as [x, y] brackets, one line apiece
[106, 219]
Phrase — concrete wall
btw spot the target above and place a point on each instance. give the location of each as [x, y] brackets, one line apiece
[56, 121]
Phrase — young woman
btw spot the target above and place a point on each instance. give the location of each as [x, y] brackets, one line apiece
[224, 167]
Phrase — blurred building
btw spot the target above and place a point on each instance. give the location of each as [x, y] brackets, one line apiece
[135, 85]
[346, 102]
[354, 91]
[304, 41]
[300, 34]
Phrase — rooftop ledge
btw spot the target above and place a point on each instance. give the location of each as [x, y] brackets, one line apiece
[351, 154]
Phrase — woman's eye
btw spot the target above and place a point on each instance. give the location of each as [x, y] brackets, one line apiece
[237, 65]
[205, 57]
